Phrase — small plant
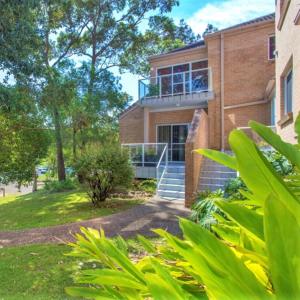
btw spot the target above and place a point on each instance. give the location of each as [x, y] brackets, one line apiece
[60, 186]
[204, 209]
[147, 185]
[102, 170]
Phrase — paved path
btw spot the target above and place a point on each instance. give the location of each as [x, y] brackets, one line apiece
[140, 219]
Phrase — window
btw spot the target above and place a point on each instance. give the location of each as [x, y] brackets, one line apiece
[272, 47]
[273, 111]
[183, 79]
[288, 92]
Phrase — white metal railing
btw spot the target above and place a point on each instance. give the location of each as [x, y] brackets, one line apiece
[175, 84]
[149, 155]
[145, 154]
[162, 166]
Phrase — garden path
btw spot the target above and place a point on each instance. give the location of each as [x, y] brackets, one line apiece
[156, 213]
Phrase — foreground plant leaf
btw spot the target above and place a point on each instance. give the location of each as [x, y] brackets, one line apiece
[282, 233]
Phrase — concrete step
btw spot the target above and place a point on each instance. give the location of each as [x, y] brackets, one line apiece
[218, 181]
[175, 169]
[173, 181]
[219, 168]
[210, 187]
[218, 174]
[174, 175]
[171, 194]
[171, 187]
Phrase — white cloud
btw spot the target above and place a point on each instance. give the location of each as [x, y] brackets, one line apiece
[229, 12]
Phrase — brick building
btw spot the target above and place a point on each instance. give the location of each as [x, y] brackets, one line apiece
[197, 94]
[287, 67]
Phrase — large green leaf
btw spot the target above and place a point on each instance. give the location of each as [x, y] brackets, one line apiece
[282, 233]
[291, 152]
[220, 157]
[224, 274]
[163, 286]
[111, 278]
[246, 218]
[257, 172]
[297, 128]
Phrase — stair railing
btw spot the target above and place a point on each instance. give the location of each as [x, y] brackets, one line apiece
[162, 166]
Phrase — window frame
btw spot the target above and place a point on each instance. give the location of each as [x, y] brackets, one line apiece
[269, 45]
[290, 72]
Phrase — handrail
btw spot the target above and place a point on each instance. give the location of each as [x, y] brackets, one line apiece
[159, 178]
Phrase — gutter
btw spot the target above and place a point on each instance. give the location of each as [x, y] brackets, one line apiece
[174, 53]
[222, 93]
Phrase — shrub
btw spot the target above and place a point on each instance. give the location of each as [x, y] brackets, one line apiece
[253, 253]
[204, 209]
[103, 170]
[60, 186]
[147, 185]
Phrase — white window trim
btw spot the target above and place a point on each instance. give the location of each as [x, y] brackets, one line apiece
[285, 91]
[269, 37]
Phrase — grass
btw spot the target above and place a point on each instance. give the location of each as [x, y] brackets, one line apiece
[38, 272]
[42, 209]
[42, 272]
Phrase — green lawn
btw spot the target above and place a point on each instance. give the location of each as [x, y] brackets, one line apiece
[42, 272]
[39, 272]
[43, 209]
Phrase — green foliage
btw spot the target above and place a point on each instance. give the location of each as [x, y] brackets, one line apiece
[233, 187]
[60, 186]
[104, 169]
[24, 138]
[252, 253]
[147, 185]
[204, 209]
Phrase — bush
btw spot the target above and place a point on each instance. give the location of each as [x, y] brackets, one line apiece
[103, 170]
[147, 185]
[253, 253]
[204, 209]
[60, 186]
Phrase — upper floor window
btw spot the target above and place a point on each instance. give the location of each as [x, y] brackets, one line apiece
[288, 92]
[181, 79]
[272, 47]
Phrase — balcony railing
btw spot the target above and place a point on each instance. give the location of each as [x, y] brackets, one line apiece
[176, 84]
[149, 160]
[145, 155]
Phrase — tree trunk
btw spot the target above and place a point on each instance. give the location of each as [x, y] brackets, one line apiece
[61, 172]
[74, 142]
[34, 186]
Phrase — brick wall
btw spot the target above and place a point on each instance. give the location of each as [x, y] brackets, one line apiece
[168, 117]
[197, 138]
[288, 56]
[132, 126]
[177, 58]
[247, 72]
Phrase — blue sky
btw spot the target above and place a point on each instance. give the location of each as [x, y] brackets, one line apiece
[198, 13]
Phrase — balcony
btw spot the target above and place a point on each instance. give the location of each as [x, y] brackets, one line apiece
[191, 88]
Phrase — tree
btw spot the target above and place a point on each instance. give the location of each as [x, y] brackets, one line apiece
[24, 138]
[210, 29]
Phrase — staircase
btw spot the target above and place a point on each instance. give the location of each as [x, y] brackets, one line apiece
[172, 185]
[213, 176]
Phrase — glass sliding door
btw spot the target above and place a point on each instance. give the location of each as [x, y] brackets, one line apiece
[175, 136]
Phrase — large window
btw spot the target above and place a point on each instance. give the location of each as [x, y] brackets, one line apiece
[288, 92]
[272, 47]
[183, 79]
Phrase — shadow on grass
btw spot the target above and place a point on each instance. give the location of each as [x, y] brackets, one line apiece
[42, 209]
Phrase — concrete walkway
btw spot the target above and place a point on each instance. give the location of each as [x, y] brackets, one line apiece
[156, 213]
